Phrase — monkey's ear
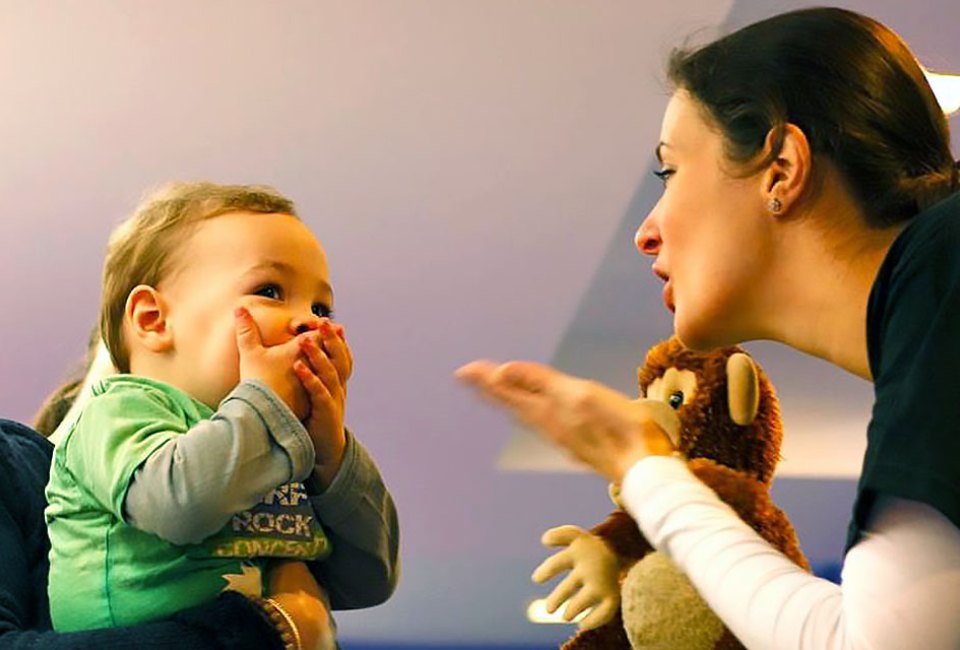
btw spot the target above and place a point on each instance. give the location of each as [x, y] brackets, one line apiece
[743, 389]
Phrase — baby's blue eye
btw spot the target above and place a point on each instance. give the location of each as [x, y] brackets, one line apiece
[321, 310]
[271, 291]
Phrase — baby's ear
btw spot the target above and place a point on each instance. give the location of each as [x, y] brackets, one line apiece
[145, 320]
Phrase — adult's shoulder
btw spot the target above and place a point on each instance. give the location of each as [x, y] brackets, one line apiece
[925, 248]
[938, 223]
[24, 456]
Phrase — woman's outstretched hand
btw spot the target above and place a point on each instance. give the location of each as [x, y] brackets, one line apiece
[601, 427]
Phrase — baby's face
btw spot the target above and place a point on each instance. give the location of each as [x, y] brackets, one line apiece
[269, 263]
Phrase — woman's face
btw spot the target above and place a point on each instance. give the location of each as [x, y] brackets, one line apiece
[709, 231]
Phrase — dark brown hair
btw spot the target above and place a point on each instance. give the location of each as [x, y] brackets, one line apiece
[849, 83]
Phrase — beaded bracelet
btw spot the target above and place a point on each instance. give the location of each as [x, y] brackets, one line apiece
[280, 618]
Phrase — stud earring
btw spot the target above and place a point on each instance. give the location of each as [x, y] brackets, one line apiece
[775, 205]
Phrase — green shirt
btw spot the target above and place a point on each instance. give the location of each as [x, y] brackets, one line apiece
[103, 571]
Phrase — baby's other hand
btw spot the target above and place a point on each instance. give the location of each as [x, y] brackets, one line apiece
[272, 365]
[296, 590]
[324, 375]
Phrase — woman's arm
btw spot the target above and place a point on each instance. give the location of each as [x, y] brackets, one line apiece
[360, 519]
[900, 582]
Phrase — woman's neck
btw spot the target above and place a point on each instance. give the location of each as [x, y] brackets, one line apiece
[825, 279]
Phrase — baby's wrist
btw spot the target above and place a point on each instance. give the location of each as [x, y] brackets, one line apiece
[325, 473]
[277, 615]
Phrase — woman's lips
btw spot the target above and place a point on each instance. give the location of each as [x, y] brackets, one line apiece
[668, 296]
[667, 288]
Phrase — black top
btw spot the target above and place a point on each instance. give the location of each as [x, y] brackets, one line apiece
[231, 621]
[913, 342]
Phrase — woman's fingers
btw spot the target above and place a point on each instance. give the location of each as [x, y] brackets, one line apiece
[511, 385]
[475, 372]
[596, 424]
[527, 376]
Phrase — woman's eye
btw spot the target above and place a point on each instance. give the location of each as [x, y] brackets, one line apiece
[676, 399]
[271, 291]
[322, 310]
[664, 175]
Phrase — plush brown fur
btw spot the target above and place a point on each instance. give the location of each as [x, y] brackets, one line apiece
[737, 462]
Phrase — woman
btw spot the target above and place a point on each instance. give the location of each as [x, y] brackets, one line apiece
[810, 197]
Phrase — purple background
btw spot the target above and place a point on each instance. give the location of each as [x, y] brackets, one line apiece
[475, 168]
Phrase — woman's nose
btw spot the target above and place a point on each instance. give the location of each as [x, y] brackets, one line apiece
[648, 237]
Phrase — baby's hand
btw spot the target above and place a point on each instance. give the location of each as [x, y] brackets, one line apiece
[270, 365]
[296, 590]
[324, 376]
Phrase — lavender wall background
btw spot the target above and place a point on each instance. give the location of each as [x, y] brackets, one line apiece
[475, 168]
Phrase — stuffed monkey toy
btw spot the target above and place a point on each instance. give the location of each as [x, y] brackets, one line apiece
[728, 426]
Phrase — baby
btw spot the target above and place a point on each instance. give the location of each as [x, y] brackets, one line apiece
[216, 311]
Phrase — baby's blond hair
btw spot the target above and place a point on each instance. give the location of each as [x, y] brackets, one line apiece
[141, 248]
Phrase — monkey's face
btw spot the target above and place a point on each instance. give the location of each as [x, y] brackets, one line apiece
[675, 387]
[725, 406]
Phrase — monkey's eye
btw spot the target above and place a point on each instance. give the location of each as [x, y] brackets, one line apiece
[676, 399]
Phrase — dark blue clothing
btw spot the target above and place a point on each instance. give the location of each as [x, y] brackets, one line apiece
[913, 342]
[231, 621]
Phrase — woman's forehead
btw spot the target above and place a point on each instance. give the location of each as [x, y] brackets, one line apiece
[684, 129]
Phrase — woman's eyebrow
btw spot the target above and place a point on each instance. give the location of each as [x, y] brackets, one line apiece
[658, 152]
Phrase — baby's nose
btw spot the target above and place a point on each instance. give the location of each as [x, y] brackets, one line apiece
[306, 324]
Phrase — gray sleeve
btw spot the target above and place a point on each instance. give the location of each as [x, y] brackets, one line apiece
[359, 517]
[188, 489]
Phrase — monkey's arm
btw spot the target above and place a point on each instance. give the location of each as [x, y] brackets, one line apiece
[751, 500]
[620, 532]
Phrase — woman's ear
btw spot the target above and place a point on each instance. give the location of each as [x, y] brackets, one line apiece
[145, 320]
[787, 176]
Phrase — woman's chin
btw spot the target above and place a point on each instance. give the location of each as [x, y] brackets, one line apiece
[701, 336]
